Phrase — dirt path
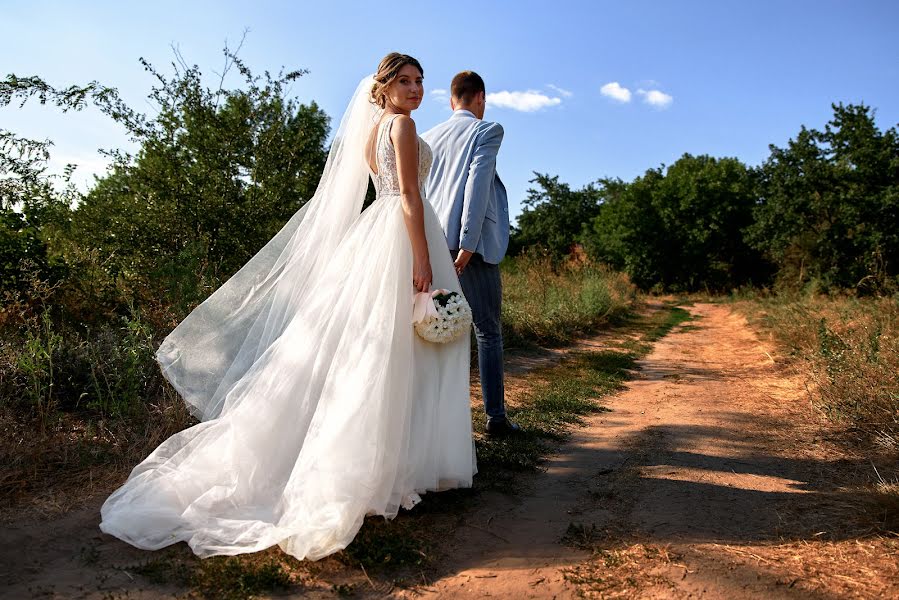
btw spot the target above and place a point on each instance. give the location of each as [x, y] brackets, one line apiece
[711, 477]
[708, 479]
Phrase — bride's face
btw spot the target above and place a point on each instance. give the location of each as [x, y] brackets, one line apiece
[407, 90]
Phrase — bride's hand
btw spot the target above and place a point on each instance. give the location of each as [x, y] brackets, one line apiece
[421, 273]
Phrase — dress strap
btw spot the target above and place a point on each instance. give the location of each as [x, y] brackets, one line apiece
[385, 128]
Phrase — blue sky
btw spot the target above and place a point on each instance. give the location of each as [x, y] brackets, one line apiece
[583, 89]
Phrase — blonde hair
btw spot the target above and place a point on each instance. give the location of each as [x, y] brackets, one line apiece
[387, 72]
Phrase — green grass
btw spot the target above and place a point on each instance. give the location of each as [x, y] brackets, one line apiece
[550, 303]
[382, 544]
[674, 316]
[564, 394]
[223, 577]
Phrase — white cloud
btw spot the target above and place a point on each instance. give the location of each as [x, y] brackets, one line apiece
[528, 101]
[442, 96]
[656, 98]
[562, 92]
[86, 167]
[615, 91]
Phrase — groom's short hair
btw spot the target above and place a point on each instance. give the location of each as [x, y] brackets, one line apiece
[466, 85]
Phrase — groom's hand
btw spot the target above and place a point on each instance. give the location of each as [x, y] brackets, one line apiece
[461, 260]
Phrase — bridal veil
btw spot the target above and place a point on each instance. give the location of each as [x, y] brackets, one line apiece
[215, 345]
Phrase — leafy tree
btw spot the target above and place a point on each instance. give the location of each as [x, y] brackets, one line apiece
[682, 228]
[218, 172]
[625, 233]
[829, 204]
[554, 215]
[29, 207]
[705, 204]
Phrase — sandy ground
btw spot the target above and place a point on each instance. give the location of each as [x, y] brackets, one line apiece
[711, 477]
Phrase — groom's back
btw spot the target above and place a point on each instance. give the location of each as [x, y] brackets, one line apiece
[453, 144]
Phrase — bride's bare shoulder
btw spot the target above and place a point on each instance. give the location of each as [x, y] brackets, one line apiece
[403, 129]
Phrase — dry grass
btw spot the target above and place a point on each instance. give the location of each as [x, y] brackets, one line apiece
[552, 303]
[77, 455]
[850, 349]
[864, 568]
[618, 569]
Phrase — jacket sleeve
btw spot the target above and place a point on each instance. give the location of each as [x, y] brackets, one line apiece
[481, 175]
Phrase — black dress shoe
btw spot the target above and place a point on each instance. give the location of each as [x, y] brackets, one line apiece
[500, 428]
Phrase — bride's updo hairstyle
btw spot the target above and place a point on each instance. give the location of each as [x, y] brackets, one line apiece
[387, 71]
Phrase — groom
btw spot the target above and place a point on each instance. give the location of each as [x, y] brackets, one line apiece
[470, 200]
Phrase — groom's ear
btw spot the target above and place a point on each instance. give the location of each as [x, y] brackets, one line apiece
[481, 102]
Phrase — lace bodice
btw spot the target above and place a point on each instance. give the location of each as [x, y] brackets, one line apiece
[386, 180]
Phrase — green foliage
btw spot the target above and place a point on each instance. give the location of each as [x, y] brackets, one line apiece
[107, 371]
[829, 205]
[823, 210]
[681, 229]
[554, 215]
[36, 365]
[565, 394]
[551, 302]
[562, 395]
[220, 577]
[624, 233]
[34, 214]
[30, 211]
[675, 316]
[123, 369]
[230, 578]
[218, 173]
[22, 166]
[386, 544]
[21, 248]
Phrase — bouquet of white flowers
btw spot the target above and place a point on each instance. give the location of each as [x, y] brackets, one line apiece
[441, 316]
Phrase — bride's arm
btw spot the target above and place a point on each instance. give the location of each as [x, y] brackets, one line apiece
[405, 141]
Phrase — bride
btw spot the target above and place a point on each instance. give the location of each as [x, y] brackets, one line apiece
[318, 403]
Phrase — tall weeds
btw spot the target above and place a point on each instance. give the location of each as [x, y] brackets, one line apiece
[35, 363]
[78, 405]
[552, 303]
[850, 348]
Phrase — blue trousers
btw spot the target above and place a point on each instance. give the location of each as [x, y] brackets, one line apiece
[483, 290]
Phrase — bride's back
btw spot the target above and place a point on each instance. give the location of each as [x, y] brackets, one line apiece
[382, 155]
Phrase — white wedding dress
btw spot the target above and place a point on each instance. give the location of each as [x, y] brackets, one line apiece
[319, 403]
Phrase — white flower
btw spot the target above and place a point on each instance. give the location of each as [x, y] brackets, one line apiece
[452, 321]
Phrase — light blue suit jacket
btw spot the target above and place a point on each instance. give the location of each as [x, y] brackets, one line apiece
[463, 186]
